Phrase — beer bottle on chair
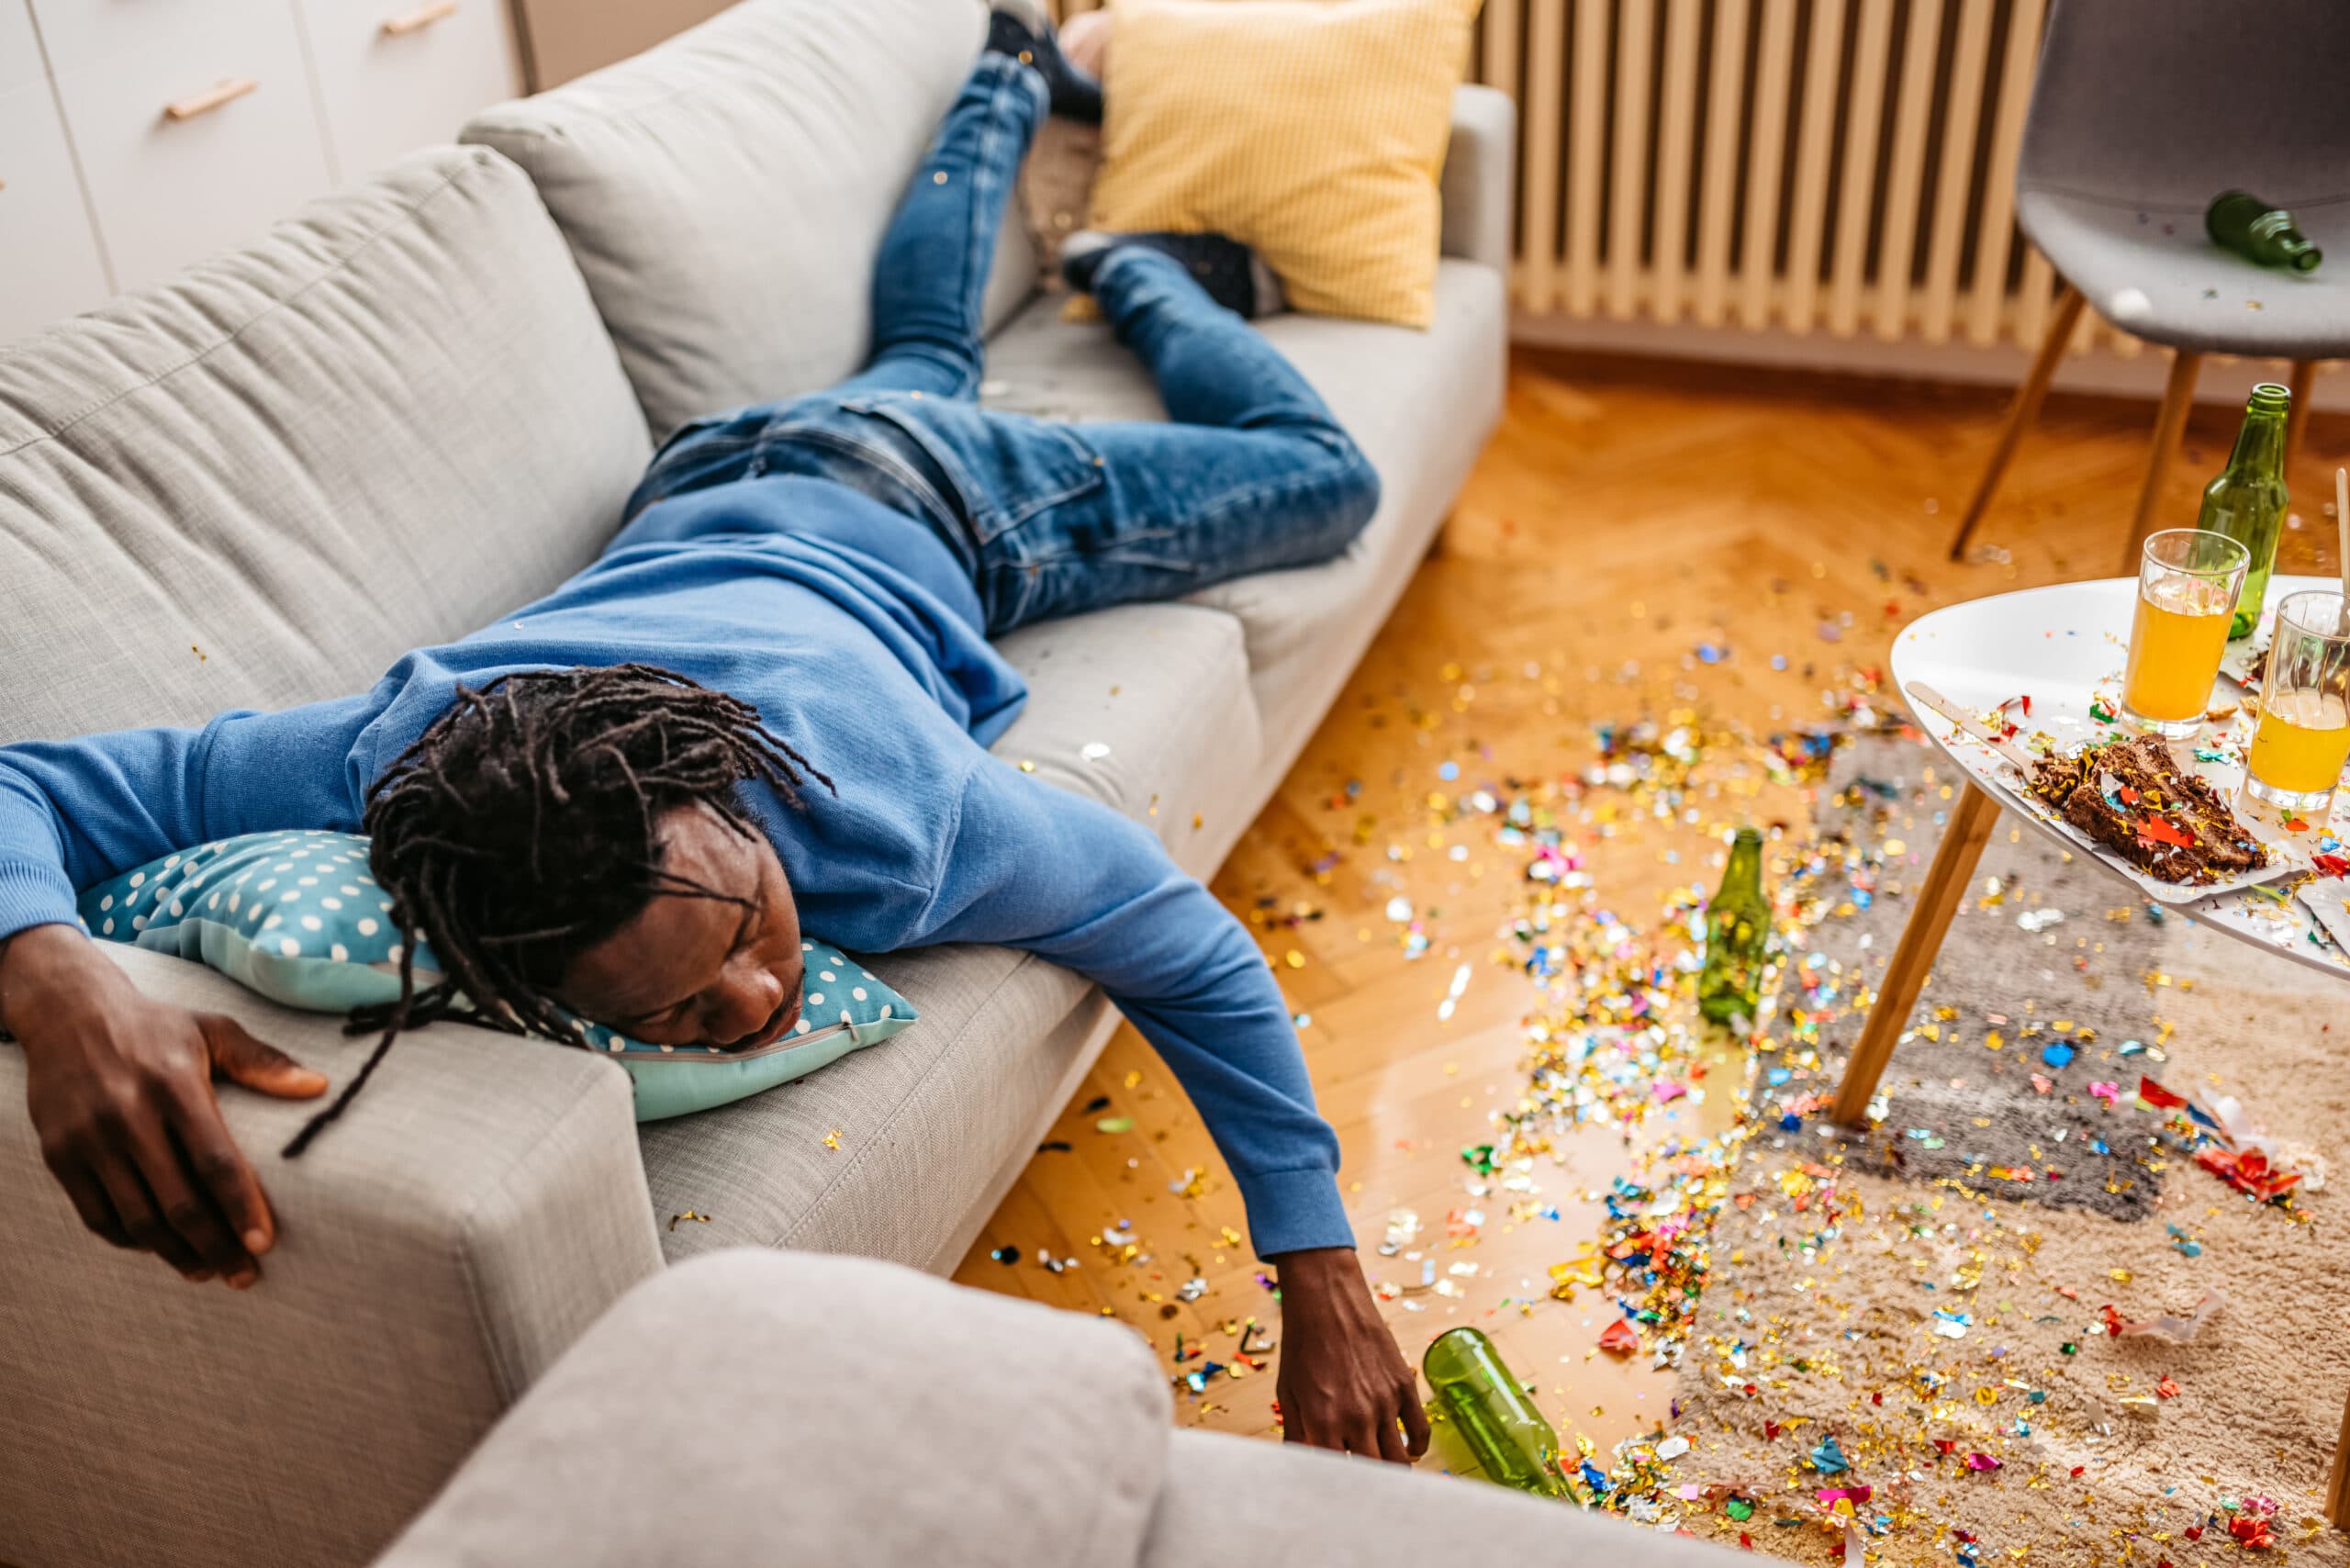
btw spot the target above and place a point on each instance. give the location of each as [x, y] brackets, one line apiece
[2242, 222]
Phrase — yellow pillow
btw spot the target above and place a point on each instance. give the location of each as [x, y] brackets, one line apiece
[1312, 129]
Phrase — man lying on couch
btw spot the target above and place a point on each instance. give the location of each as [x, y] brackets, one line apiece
[770, 700]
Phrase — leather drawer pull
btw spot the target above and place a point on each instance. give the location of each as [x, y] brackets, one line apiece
[204, 102]
[416, 21]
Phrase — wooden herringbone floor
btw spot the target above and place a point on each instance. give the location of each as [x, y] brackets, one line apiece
[1625, 514]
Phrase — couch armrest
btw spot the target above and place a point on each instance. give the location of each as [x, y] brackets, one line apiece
[1228, 1499]
[472, 1212]
[1479, 179]
[754, 1407]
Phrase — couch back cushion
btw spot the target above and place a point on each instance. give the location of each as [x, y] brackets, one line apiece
[725, 192]
[392, 418]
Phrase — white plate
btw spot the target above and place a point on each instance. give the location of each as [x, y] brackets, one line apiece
[2064, 647]
[2328, 899]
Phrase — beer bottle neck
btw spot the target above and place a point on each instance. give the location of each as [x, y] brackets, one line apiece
[2260, 443]
[1744, 872]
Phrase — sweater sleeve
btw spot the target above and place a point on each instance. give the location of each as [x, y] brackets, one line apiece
[1039, 869]
[74, 812]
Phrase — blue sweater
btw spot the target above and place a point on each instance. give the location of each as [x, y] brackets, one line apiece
[858, 637]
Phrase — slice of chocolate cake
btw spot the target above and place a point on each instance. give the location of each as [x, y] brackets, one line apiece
[2134, 797]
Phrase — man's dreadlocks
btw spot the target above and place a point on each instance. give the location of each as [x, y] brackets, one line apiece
[518, 831]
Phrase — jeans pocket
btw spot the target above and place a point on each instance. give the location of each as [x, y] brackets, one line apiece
[1004, 468]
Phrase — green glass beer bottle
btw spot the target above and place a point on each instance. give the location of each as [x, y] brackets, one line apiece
[1737, 938]
[2242, 222]
[2247, 502]
[1496, 1418]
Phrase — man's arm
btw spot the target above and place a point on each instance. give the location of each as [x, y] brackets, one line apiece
[119, 1086]
[1040, 868]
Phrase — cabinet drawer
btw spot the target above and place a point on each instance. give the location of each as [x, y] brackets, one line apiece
[395, 75]
[20, 53]
[52, 268]
[83, 32]
[244, 151]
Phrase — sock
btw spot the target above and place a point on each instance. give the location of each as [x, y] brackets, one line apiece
[1021, 30]
[1234, 275]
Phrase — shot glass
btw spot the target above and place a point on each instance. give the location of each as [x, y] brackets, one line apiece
[2304, 737]
[2188, 582]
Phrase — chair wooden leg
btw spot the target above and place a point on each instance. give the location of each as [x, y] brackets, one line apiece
[2337, 1488]
[2178, 397]
[2020, 413]
[2297, 417]
[1921, 940]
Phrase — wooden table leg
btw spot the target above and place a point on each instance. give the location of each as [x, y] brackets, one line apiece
[2337, 1488]
[1922, 939]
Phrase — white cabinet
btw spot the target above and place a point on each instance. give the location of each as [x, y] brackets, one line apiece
[19, 51]
[395, 75]
[138, 136]
[193, 138]
[49, 263]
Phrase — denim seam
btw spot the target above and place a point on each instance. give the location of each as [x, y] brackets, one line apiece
[1285, 484]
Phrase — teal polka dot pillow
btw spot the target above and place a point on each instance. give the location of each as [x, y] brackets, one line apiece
[296, 917]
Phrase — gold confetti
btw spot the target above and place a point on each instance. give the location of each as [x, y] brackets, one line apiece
[691, 1214]
[832, 1138]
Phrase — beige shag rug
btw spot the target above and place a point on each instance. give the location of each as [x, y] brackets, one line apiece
[2013, 1427]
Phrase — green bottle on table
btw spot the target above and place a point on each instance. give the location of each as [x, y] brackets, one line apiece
[1496, 1418]
[2242, 222]
[1737, 938]
[2247, 502]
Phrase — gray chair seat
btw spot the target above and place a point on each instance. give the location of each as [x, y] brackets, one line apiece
[2154, 272]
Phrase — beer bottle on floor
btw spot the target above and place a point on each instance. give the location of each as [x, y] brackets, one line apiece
[1496, 1418]
[2242, 222]
[2247, 502]
[1737, 938]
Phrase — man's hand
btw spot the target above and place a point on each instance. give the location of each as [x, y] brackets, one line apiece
[119, 1087]
[1343, 1384]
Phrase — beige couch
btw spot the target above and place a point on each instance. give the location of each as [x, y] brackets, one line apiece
[414, 406]
[763, 1407]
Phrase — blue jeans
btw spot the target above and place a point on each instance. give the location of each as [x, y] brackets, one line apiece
[1250, 473]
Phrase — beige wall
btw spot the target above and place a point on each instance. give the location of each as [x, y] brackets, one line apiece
[563, 38]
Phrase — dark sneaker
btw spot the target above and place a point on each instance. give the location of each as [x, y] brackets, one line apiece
[1021, 30]
[1234, 275]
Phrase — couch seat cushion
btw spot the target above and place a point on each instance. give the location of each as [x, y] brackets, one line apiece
[1420, 404]
[1146, 708]
[919, 1127]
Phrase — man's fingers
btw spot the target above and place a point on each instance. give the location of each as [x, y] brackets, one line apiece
[142, 1221]
[220, 1168]
[1391, 1440]
[89, 1198]
[240, 1058]
[1415, 1421]
[184, 1206]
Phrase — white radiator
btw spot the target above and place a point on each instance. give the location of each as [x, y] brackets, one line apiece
[1814, 166]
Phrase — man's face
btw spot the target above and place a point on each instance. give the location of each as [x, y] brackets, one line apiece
[690, 971]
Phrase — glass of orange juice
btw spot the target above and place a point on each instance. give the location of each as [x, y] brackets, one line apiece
[2303, 738]
[2188, 582]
